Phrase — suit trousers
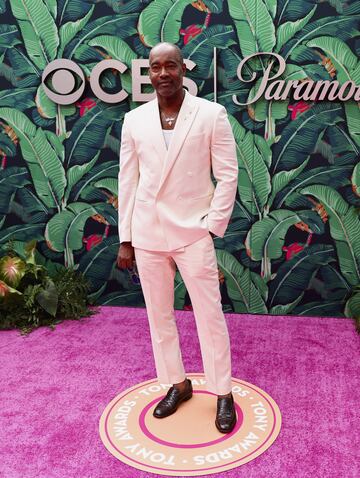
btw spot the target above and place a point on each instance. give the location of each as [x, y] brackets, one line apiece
[197, 265]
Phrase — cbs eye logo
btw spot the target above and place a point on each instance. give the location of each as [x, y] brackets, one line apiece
[66, 89]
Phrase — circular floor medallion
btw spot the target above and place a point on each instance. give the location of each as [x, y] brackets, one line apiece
[187, 443]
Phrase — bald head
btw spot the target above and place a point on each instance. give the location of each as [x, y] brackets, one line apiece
[167, 47]
[166, 71]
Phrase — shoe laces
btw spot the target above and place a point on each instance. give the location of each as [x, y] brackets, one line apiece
[171, 394]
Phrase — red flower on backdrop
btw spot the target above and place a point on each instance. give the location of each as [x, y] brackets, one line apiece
[295, 247]
[298, 108]
[92, 241]
[95, 239]
[190, 32]
[292, 250]
[3, 162]
[85, 105]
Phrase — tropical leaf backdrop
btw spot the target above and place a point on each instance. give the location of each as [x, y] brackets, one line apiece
[293, 243]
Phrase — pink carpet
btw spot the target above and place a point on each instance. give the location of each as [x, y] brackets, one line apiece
[56, 384]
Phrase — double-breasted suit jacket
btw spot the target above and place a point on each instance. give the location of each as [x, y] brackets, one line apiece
[167, 198]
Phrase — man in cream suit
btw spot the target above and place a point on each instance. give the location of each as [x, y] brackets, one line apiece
[169, 212]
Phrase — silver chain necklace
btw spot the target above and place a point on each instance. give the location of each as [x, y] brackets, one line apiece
[169, 119]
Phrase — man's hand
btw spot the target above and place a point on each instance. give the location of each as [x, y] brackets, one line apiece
[126, 256]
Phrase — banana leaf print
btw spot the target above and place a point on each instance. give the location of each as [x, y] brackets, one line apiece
[242, 287]
[339, 288]
[341, 26]
[25, 233]
[66, 11]
[254, 26]
[355, 180]
[234, 236]
[179, 291]
[299, 137]
[344, 228]
[126, 299]
[85, 185]
[253, 157]
[337, 176]
[342, 145]
[124, 25]
[161, 19]
[11, 180]
[8, 36]
[266, 237]
[30, 206]
[200, 49]
[294, 275]
[38, 29]
[293, 9]
[98, 263]
[21, 98]
[88, 133]
[291, 246]
[330, 308]
[42, 152]
[64, 230]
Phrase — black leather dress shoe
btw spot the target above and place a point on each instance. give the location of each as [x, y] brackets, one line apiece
[225, 414]
[172, 400]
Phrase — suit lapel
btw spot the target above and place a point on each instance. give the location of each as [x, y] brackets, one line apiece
[184, 121]
[156, 131]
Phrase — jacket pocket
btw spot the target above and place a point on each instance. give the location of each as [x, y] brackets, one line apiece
[202, 196]
[195, 136]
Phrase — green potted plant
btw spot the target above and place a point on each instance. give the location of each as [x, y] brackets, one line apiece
[34, 294]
